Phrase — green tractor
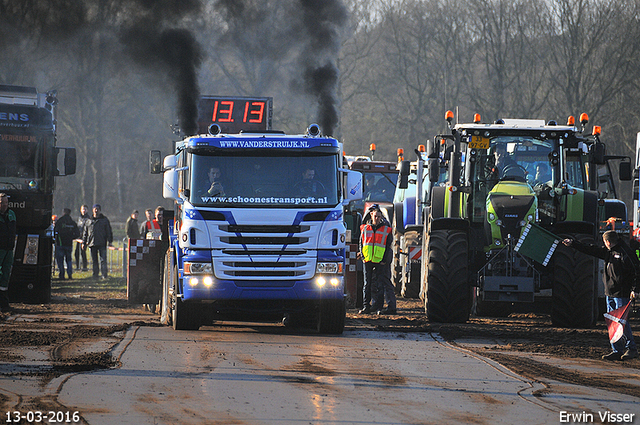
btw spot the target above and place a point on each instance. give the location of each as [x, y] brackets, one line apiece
[504, 176]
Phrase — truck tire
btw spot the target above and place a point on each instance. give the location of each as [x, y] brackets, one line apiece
[165, 302]
[448, 296]
[410, 272]
[184, 317]
[574, 286]
[331, 317]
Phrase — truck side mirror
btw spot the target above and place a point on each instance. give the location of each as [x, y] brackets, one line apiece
[155, 162]
[353, 186]
[70, 161]
[624, 172]
[405, 169]
[68, 164]
[597, 151]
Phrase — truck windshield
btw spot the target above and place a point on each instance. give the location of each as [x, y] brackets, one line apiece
[264, 181]
[20, 160]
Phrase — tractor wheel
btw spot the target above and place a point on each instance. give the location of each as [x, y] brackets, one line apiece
[574, 286]
[446, 285]
[410, 272]
[396, 265]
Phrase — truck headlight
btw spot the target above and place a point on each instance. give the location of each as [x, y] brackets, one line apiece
[329, 268]
[194, 281]
[197, 268]
[321, 281]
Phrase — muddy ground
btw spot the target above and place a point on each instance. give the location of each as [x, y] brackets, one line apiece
[85, 320]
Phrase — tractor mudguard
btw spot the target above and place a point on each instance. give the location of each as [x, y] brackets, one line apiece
[446, 223]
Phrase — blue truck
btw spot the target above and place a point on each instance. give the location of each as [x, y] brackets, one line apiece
[258, 230]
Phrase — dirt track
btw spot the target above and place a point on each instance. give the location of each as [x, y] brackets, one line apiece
[77, 331]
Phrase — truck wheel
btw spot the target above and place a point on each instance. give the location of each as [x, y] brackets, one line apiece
[446, 285]
[331, 317]
[166, 301]
[574, 286]
[410, 272]
[184, 317]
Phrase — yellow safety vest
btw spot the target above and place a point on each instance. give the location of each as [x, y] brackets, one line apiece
[374, 243]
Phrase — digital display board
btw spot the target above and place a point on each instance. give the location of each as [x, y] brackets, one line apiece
[234, 114]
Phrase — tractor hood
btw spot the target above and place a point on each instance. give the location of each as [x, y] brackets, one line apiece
[510, 206]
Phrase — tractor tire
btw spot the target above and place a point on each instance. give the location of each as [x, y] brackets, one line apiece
[184, 316]
[331, 317]
[396, 265]
[410, 272]
[574, 286]
[446, 286]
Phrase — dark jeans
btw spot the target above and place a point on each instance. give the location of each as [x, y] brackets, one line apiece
[377, 286]
[6, 262]
[626, 342]
[63, 255]
[99, 266]
[79, 252]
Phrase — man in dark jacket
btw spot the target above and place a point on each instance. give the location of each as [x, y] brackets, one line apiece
[83, 220]
[7, 241]
[65, 231]
[97, 234]
[621, 274]
[132, 228]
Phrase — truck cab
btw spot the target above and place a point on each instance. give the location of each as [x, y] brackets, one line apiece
[259, 229]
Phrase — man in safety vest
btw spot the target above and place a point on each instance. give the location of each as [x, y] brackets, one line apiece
[376, 253]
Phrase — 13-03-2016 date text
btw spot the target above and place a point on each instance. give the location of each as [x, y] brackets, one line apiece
[36, 417]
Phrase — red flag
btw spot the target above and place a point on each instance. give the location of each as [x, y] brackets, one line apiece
[616, 320]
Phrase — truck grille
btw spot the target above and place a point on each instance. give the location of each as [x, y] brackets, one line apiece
[278, 252]
[267, 240]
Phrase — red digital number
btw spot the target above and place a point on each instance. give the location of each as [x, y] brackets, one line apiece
[259, 112]
[226, 115]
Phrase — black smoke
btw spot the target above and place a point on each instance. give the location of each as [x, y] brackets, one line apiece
[323, 22]
[313, 30]
[146, 28]
[178, 54]
[152, 42]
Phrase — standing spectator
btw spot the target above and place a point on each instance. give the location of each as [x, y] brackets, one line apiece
[153, 228]
[65, 231]
[376, 253]
[97, 234]
[132, 228]
[83, 220]
[621, 275]
[7, 242]
[148, 224]
[158, 232]
[157, 223]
